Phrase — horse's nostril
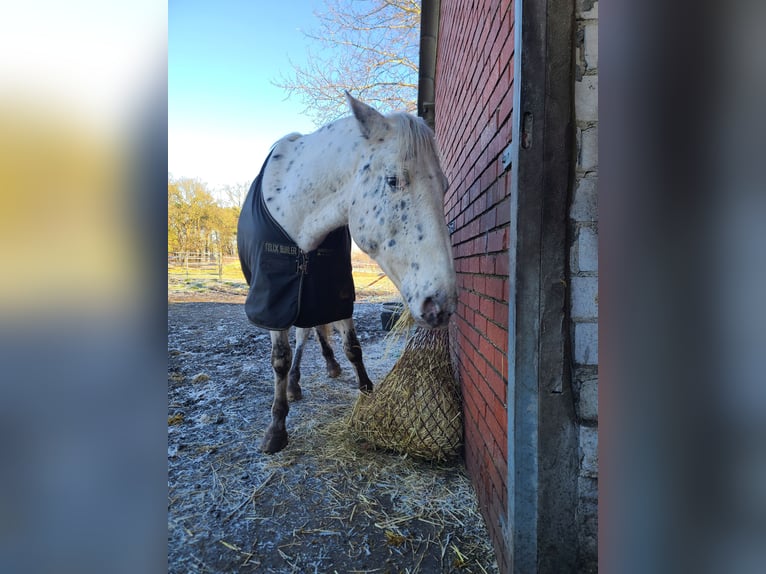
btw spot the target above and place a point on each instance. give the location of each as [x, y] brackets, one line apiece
[433, 313]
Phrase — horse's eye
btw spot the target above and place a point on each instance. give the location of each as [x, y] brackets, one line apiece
[398, 182]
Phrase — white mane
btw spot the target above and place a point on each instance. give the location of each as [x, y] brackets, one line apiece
[416, 138]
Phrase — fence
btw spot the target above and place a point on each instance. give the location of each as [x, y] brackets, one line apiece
[204, 265]
[204, 269]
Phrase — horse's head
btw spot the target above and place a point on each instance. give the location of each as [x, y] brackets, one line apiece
[396, 214]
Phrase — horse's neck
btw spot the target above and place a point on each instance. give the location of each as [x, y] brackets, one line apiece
[307, 181]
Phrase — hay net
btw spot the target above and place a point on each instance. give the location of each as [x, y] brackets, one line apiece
[416, 409]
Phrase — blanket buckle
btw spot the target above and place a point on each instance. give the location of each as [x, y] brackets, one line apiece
[303, 263]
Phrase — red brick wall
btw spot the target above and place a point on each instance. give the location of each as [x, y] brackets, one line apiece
[474, 98]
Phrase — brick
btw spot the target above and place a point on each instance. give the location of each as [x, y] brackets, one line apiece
[489, 218]
[586, 343]
[497, 406]
[505, 108]
[496, 429]
[489, 175]
[487, 265]
[485, 347]
[501, 482]
[585, 203]
[587, 524]
[586, 99]
[496, 240]
[591, 45]
[472, 301]
[469, 315]
[503, 211]
[497, 145]
[506, 54]
[500, 313]
[496, 334]
[483, 362]
[588, 450]
[480, 323]
[587, 405]
[487, 133]
[503, 444]
[584, 298]
[472, 437]
[474, 228]
[499, 191]
[501, 265]
[474, 337]
[497, 480]
[587, 249]
[486, 307]
[476, 407]
[461, 308]
[498, 386]
[494, 288]
[588, 148]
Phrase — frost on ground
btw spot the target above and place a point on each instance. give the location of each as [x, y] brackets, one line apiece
[327, 503]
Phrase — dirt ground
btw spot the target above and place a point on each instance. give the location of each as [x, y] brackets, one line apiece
[327, 503]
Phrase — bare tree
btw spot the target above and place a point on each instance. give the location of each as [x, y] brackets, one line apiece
[368, 47]
[233, 195]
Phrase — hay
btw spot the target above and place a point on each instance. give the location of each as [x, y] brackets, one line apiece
[329, 498]
[416, 409]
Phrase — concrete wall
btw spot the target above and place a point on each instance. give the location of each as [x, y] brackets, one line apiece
[583, 262]
[473, 125]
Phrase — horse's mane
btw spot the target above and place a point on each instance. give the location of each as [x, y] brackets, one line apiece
[417, 139]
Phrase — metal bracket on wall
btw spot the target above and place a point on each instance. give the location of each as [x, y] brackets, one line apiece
[508, 154]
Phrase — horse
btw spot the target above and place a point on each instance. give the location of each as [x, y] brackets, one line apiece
[371, 177]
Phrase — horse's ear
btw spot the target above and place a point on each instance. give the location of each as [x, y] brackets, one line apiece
[369, 119]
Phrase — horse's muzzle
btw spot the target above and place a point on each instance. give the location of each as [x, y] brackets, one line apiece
[435, 313]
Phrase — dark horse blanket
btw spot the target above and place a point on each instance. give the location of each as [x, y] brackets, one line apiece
[287, 285]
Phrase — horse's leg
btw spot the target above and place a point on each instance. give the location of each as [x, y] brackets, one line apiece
[323, 334]
[294, 392]
[354, 352]
[281, 354]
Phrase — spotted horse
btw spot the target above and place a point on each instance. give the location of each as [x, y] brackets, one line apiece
[376, 178]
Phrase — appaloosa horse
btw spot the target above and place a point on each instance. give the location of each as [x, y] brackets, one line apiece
[375, 177]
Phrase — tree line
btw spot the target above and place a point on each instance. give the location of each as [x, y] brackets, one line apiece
[200, 224]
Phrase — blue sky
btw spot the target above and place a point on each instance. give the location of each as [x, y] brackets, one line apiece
[224, 113]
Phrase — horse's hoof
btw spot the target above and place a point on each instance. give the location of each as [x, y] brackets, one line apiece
[366, 388]
[294, 393]
[333, 371]
[274, 442]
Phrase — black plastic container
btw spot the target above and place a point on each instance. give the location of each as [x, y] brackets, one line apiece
[390, 314]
